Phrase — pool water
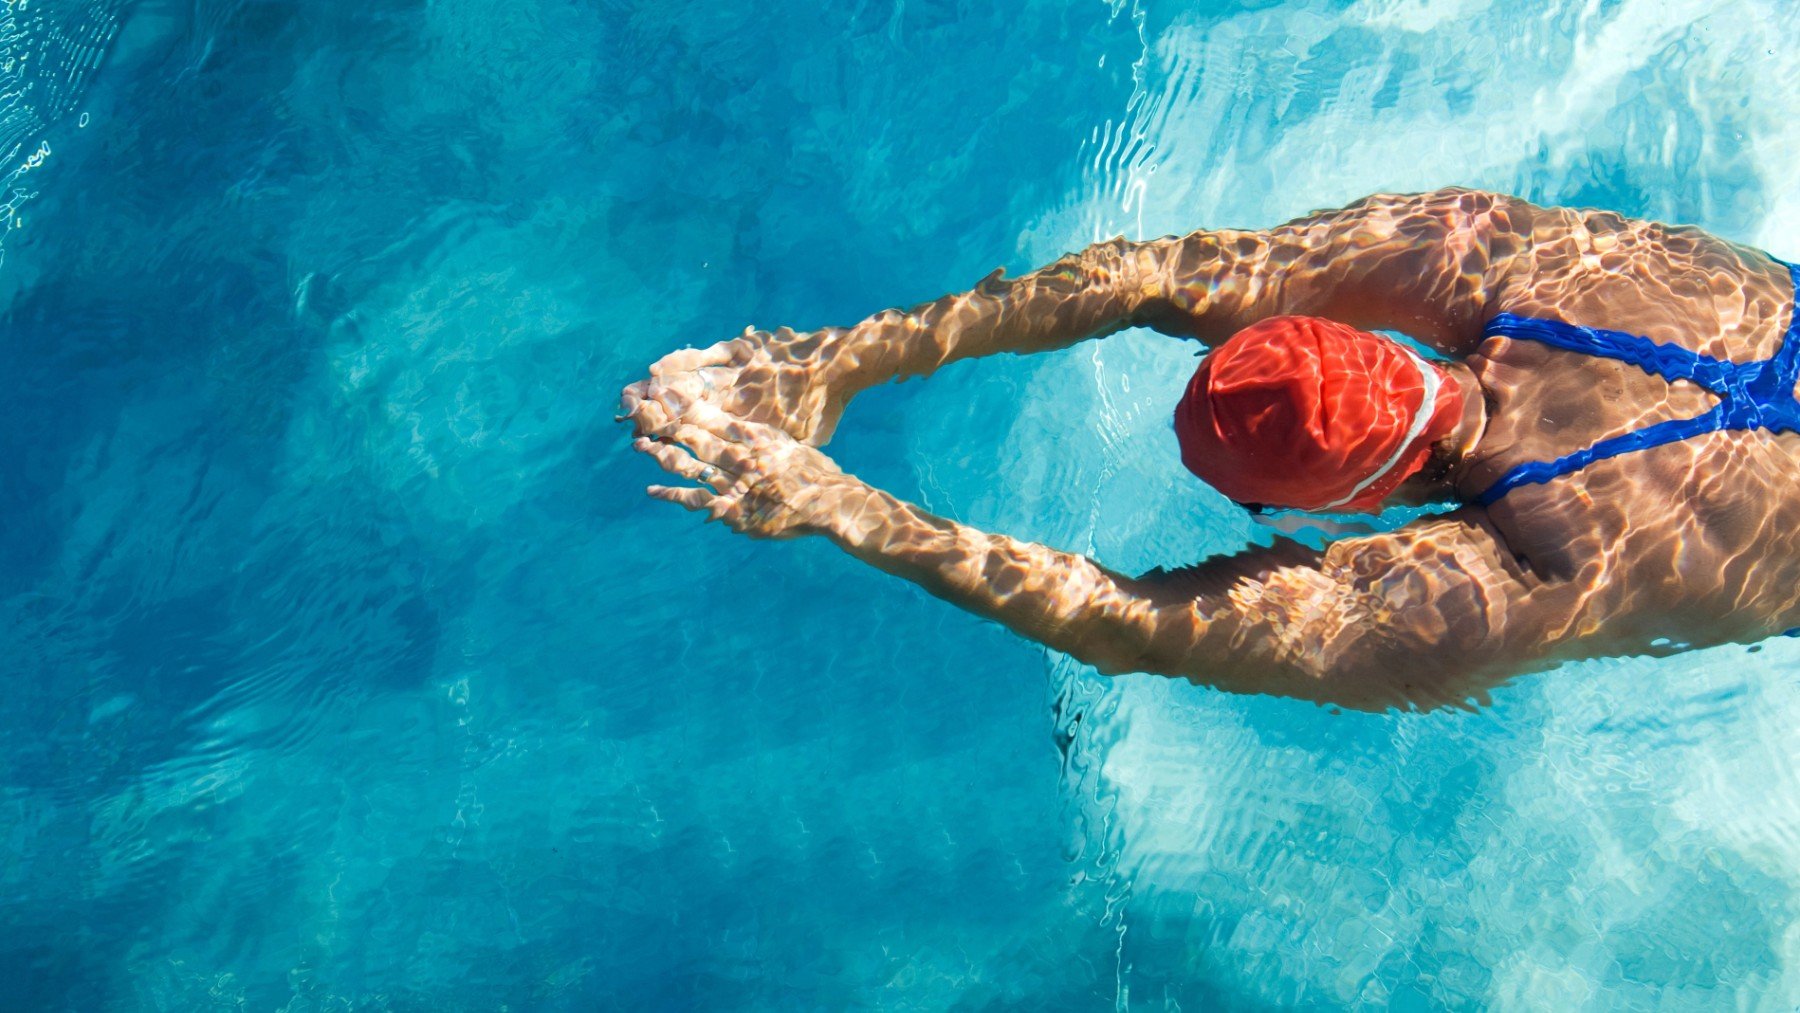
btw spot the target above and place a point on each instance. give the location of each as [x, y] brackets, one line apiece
[349, 668]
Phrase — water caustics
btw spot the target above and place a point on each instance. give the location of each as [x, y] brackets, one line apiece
[1279, 835]
[350, 668]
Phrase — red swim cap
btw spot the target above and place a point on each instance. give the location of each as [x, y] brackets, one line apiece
[1311, 414]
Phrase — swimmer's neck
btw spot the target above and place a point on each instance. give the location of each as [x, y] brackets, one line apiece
[1451, 456]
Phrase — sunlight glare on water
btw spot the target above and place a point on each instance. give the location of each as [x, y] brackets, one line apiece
[351, 669]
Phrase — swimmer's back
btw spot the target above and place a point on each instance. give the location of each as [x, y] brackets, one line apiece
[1699, 540]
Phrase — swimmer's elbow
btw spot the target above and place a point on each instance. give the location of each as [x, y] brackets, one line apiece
[1114, 648]
[1112, 664]
[1129, 271]
[1109, 656]
[1424, 677]
[1372, 681]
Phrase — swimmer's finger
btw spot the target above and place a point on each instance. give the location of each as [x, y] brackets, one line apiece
[708, 446]
[630, 398]
[678, 461]
[735, 429]
[676, 394]
[672, 458]
[689, 359]
[635, 398]
[657, 415]
[693, 499]
[678, 362]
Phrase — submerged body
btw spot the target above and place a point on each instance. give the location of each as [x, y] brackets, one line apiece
[1692, 543]
[1685, 545]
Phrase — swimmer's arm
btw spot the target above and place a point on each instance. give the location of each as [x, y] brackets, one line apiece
[1093, 293]
[1427, 616]
[801, 382]
[1428, 265]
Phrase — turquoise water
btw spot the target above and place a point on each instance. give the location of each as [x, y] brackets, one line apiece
[348, 668]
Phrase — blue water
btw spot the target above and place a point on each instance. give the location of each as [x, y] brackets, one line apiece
[348, 668]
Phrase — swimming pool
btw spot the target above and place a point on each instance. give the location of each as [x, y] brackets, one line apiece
[350, 669]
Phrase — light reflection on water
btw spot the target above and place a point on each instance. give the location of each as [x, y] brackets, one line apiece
[349, 668]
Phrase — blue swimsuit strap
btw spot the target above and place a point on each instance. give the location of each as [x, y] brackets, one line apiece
[1755, 395]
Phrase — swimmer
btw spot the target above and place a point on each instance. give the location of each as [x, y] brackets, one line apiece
[1610, 413]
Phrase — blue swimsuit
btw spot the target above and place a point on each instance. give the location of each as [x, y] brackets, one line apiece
[1753, 395]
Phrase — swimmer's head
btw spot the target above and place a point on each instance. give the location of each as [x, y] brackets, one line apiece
[1310, 414]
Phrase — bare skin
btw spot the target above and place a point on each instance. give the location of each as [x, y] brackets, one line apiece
[1688, 545]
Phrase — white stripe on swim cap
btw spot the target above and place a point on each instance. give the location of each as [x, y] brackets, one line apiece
[1421, 418]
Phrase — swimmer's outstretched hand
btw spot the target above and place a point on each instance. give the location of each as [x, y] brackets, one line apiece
[756, 479]
[787, 379]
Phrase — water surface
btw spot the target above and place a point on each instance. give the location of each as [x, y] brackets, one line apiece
[349, 668]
